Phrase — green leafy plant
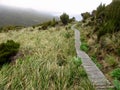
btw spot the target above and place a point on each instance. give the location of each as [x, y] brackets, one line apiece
[74, 76]
[116, 73]
[77, 61]
[7, 50]
[84, 47]
[116, 84]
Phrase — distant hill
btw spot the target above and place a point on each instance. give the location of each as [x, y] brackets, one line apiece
[22, 17]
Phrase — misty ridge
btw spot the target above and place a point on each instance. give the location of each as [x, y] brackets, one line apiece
[22, 17]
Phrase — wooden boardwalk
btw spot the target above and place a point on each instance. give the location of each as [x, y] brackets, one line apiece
[96, 77]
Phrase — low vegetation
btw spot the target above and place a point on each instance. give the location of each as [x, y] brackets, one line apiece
[46, 25]
[49, 61]
[101, 32]
[8, 28]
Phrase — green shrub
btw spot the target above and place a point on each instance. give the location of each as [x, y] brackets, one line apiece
[116, 84]
[107, 18]
[8, 50]
[113, 13]
[101, 32]
[116, 73]
[64, 18]
[74, 76]
[100, 11]
[107, 27]
[77, 61]
[84, 47]
[85, 15]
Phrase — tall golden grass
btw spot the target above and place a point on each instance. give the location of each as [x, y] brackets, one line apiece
[48, 62]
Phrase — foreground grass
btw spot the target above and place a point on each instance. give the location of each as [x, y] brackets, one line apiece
[48, 62]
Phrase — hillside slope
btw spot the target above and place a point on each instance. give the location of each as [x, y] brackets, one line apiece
[21, 17]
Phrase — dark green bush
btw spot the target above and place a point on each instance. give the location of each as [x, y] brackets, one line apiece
[116, 73]
[100, 11]
[113, 10]
[116, 84]
[84, 47]
[8, 50]
[112, 13]
[106, 18]
[64, 18]
[107, 27]
[85, 15]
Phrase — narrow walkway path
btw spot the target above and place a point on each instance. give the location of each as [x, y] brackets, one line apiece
[96, 77]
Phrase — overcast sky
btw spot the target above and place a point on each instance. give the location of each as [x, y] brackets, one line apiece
[72, 7]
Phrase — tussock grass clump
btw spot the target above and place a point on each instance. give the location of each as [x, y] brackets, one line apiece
[48, 63]
[8, 50]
